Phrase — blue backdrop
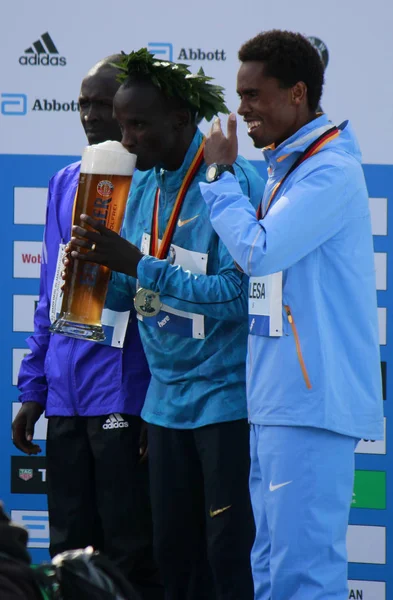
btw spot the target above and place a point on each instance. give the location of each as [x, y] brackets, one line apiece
[26, 477]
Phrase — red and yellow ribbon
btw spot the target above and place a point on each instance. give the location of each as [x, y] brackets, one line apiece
[162, 251]
[312, 149]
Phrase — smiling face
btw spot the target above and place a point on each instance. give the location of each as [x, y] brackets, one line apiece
[272, 112]
[96, 105]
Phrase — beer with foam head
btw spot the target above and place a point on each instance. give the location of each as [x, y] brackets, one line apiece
[104, 184]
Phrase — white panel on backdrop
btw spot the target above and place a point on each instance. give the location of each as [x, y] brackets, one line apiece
[24, 309]
[367, 590]
[366, 544]
[40, 427]
[379, 215]
[380, 260]
[30, 205]
[37, 524]
[18, 355]
[27, 259]
[372, 446]
[382, 325]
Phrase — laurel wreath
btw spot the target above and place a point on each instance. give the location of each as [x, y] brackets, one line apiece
[176, 80]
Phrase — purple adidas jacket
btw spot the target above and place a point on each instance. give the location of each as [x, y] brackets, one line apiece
[69, 376]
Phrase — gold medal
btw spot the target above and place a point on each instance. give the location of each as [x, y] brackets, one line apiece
[147, 303]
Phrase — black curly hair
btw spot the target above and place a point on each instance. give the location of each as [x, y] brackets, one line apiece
[288, 57]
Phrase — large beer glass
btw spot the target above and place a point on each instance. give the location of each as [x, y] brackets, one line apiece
[104, 184]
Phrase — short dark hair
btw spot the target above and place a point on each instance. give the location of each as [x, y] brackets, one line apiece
[106, 64]
[109, 61]
[289, 57]
[180, 87]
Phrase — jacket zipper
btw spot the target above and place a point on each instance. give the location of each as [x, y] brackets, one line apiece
[298, 347]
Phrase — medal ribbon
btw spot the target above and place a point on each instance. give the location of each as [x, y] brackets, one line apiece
[162, 251]
[312, 149]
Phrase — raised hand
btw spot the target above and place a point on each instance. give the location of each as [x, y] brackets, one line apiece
[219, 148]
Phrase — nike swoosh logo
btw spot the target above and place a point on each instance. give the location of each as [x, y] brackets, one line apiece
[214, 513]
[273, 488]
[180, 223]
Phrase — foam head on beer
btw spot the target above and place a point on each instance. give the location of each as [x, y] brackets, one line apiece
[104, 183]
[108, 158]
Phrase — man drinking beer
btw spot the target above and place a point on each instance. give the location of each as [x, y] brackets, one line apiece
[193, 304]
[92, 394]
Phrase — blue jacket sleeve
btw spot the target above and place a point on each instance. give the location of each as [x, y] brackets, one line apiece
[32, 382]
[121, 292]
[310, 213]
[222, 296]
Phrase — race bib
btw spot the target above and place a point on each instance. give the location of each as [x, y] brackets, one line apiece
[265, 305]
[114, 323]
[57, 294]
[182, 323]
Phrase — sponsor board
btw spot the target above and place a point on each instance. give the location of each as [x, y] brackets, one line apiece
[372, 446]
[28, 474]
[366, 544]
[27, 259]
[167, 51]
[53, 105]
[322, 49]
[30, 205]
[37, 524]
[43, 52]
[369, 490]
[13, 105]
[382, 316]
[40, 75]
[18, 355]
[379, 215]
[366, 590]
[24, 309]
[21, 105]
[380, 261]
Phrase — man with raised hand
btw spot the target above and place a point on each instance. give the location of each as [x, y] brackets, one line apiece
[314, 379]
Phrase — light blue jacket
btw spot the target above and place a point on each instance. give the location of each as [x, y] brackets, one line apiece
[318, 232]
[195, 381]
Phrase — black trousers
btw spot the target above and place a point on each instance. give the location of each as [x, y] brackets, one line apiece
[98, 494]
[202, 516]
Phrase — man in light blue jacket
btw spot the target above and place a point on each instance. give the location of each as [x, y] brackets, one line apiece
[314, 383]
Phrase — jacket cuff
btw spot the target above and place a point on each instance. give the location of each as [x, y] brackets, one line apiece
[226, 184]
[31, 396]
[149, 271]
